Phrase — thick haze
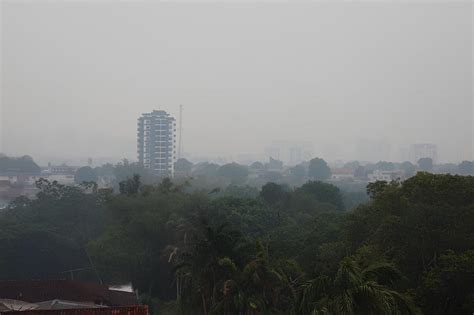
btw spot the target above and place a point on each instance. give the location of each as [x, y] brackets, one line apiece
[76, 76]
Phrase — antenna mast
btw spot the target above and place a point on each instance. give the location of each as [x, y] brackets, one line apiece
[180, 131]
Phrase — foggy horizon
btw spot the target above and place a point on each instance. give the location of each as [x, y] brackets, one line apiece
[76, 76]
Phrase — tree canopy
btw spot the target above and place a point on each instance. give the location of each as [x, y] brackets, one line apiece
[280, 250]
[183, 165]
[318, 169]
[85, 174]
[234, 173]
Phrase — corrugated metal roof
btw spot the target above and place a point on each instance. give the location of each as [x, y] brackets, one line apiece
[130, 310]
[44, 290]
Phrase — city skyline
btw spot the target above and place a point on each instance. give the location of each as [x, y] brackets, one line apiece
[309, 73]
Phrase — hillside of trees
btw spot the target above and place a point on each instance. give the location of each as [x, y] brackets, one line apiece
[275, 250]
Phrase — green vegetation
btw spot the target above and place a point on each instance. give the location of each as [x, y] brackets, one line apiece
[318, 169]
[239, 250]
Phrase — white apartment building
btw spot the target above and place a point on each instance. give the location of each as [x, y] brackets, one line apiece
[156, 142]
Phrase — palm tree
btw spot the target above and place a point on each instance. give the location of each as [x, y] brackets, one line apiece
[261, 287]
[356, 290]
[198, 266]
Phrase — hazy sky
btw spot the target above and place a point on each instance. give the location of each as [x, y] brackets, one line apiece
[76, 75]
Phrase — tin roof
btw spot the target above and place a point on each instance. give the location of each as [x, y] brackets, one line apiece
[43, 290]
[130, 310]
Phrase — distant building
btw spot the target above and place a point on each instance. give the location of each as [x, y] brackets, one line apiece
[273, 152]
[63, 174]
[373, 150]
[423, 150]
[45, 292]
[295, 155]
[290, 153]
[156, 142]
[342, 174]
[379, 175]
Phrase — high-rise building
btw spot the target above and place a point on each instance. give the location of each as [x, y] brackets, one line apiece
[156, 142]
[423, 150]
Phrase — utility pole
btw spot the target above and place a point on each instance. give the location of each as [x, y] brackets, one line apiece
[180, 131]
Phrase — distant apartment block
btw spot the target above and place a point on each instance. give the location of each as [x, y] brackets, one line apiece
[289, 152]
[387, 176]
[156, 142]
[423, 150]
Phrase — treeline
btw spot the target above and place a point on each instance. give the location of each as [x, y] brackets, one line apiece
[18, 165]
[409, 250]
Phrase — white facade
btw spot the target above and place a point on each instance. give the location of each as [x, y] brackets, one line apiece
[10, 178]
[156, 142]
[378, 175]
[63, 179]
[342, 177]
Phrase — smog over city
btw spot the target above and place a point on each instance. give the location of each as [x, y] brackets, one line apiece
[226, 157]
[76, 76]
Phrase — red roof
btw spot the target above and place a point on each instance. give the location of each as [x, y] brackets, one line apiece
[131, 310]
[44, 290]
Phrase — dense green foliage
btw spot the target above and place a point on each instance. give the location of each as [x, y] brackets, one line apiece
[318, 169]
[407, 250]
[46, 237]
[233, 173]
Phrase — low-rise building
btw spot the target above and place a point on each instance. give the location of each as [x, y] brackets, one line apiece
[379, 175]
[342, 174]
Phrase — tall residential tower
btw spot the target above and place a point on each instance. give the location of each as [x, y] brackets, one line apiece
[156, 142]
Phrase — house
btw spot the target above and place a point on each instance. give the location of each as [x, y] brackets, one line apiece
[127, 310]
[386, 176]
[342, 174]
[35, 291]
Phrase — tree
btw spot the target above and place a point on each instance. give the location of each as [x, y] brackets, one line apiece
[271, 176]
[105, 170]
[318, 169]
[274, 164]
[448, 288]
[85, 174]
[353, 165]
[408, 169]
[425, 164]
[321, 192]
[356, 288]
[201, 264]
[273, 193]
[183, 166]
[233, 172]
[376, 188]
[131, 186]
[205, 170]
[244, 192]
[257, 166]
[409, 220]
[385, 166]
[46, 235]
[298, 171]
